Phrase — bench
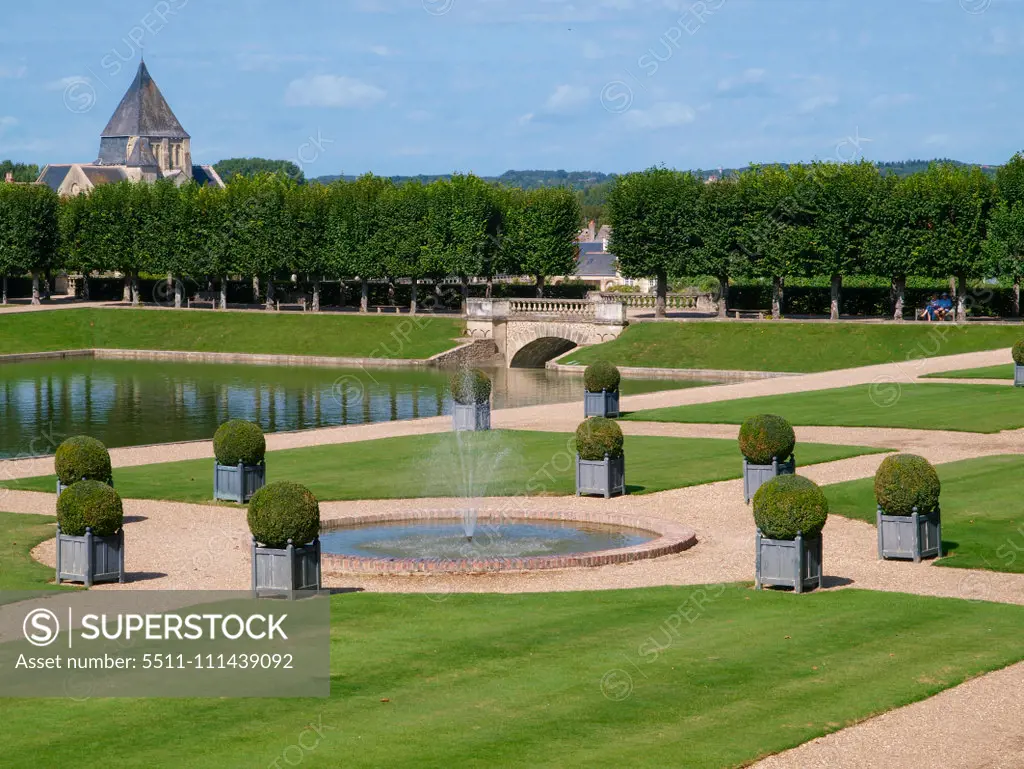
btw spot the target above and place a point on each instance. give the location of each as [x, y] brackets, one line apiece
[302, 301]
[920, 315]
[749, 314]
[204, 297]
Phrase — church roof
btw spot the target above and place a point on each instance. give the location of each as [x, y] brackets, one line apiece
[144, 112]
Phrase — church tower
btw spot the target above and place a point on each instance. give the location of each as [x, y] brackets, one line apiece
[145, 134]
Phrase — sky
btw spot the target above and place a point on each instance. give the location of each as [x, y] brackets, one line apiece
[483, 86]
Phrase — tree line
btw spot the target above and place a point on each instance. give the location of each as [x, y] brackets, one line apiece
[267, 225]
[823, 220]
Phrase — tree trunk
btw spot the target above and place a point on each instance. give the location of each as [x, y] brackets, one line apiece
[464, 287]
[85, 286]
[540, 286]
[661, 299]
[778, 295]
[47, 283]
[316, 295]
[135, 289]
[255, 289]
[270, 293]
[1016, 296]
[952, 286]
[961, 298]
[5, 290]
[126, 297]
[391, 292]
[837, 290]
[364, 295]
[35, 287]
[723, 296]
[490, 286]
[413, 296]
[224, 293]
[899, 291]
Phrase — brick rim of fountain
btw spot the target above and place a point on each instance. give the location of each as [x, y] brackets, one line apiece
[670, 538]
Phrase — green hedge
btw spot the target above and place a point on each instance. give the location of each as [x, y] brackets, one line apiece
[90, 504]
[1018, 353]
[790, 504]
[906, 481]
[82, 457]
[239, 441]
[601, 376]
[597, 437]
[765, 437]
[282, 511]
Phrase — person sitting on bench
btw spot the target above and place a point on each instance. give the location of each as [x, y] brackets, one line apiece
[931, 310]
[944, 307]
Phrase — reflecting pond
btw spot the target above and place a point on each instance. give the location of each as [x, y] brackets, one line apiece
[131, 403]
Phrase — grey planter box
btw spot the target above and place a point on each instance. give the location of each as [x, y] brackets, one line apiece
[792, 563]
[61, 486]
[238, 482]
[602, 404]
[911, 537]
[755, 476]
[603, 477]
[471, 417]
[285, 571]
[1018, 375]
[89, 559]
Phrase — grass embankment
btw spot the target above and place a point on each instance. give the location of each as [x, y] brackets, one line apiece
[19, 534]
[986, 372]
[692, 677]
[792, 347]
[962, 407]
[240, 332]
[496, 463]
[982, 511]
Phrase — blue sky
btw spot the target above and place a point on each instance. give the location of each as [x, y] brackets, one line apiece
[434, 86]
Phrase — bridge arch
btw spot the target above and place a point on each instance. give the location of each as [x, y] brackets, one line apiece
[538, 352]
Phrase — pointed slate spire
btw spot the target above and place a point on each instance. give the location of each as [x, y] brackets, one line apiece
[144, 112]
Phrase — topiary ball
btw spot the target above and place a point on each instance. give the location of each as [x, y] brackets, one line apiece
[788, 504]
[601, 376]
[1018, 353]
[89, 504]
[766, 437]
[470, 387]
[597, 437]
[282, 511]
[906, 481]
[82, 457]
[239, 441]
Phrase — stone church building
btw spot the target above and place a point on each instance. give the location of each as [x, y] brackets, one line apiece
[142, 142]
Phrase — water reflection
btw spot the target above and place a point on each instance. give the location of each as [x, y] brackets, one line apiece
[129, 403]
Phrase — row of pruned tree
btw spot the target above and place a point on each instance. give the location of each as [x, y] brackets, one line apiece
[267, 226]
[824, 219]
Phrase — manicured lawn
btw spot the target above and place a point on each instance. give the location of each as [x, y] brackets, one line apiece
[19, 534]
[245, 332]
[987, 372]
[516, 681]
[497, 463]
[964, 407]
[982, 511]
[800, 347]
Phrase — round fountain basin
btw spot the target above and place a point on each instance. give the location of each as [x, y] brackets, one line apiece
[444, 542]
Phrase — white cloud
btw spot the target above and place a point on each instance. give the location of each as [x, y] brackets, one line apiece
[331, 91]
[526, 119]
[748, 77]
[662, 115]
[13, 72]
[567, 98]
[592, 50]
[381, 50]
[66, 82]
[814, 103]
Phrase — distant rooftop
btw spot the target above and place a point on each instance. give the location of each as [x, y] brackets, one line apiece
[144, 112]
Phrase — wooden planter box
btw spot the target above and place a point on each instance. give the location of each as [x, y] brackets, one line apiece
[792, 563]
[603, 477]
[1018, 375]
[238, 482]
[471, 417]
[285, 571]
[61, 486]
[755, 476]
[602, 404]
[910, 537]
[90, 559]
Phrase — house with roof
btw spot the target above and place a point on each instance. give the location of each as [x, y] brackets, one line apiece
[142, 142]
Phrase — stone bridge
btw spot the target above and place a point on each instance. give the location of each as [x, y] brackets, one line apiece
[530, 332]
